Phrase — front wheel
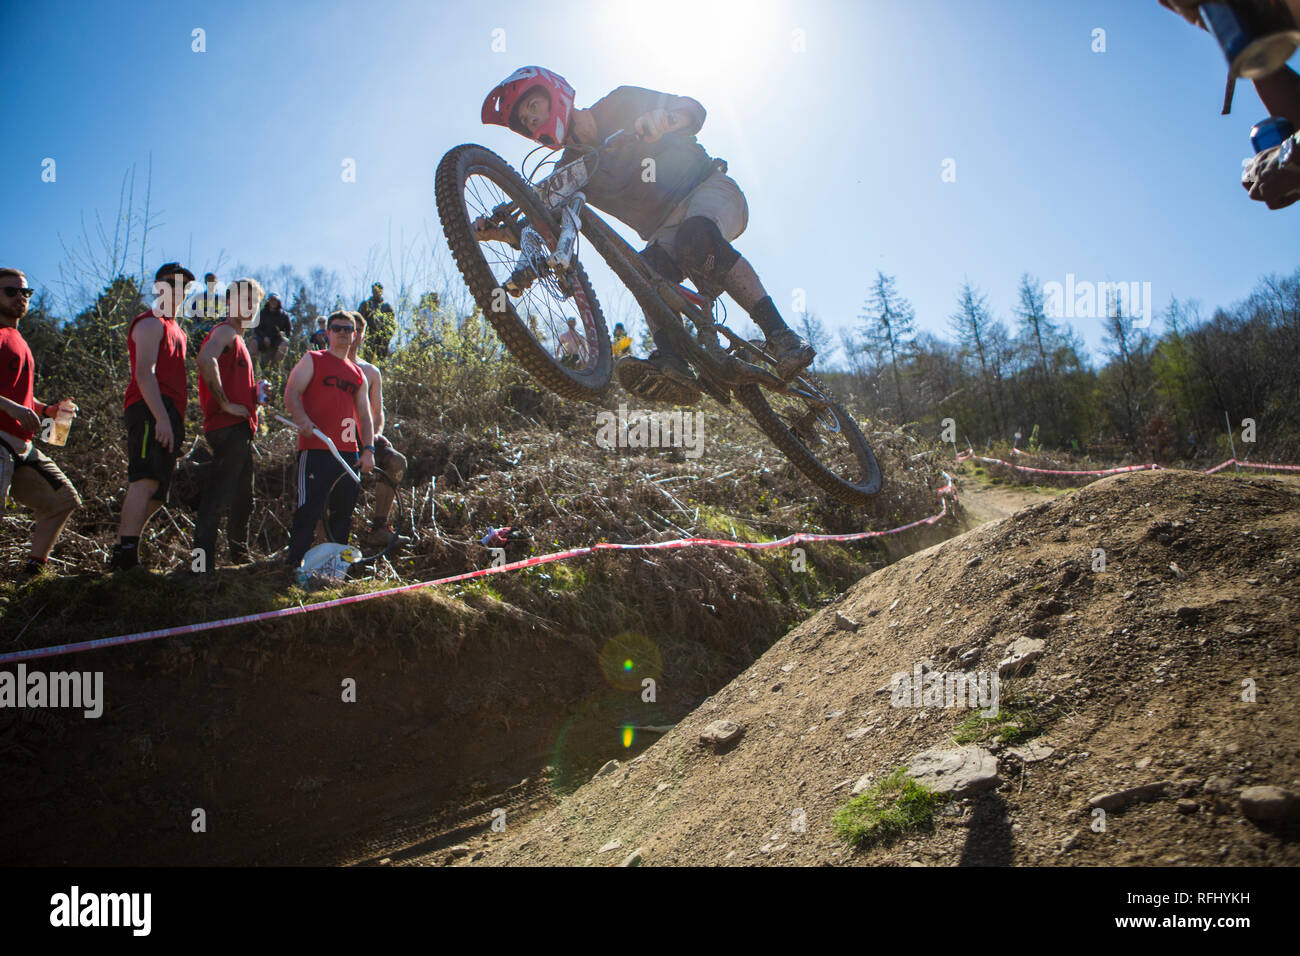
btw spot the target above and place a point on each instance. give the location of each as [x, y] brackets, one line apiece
[473, 182]
[819, 437]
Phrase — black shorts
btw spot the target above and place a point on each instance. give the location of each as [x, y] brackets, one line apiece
[145, 458]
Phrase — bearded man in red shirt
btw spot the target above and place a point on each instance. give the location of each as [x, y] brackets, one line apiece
[25, 473]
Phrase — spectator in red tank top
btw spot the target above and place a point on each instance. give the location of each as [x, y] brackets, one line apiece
[325, 391]
[228, 396]
[25, 473]
[155, 409]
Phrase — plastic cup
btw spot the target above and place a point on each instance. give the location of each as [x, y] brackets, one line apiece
[62, 423]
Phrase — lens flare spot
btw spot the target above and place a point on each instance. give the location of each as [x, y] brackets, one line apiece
[628, 735]
[628, 658]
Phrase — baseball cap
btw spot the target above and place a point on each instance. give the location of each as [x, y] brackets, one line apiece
[170, 269]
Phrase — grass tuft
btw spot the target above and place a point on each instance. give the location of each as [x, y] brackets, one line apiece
[885, 811]
[1011, 725]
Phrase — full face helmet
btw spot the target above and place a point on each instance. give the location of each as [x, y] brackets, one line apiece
[502, 105]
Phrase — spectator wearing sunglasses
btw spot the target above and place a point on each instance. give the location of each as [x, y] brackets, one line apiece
[154, 409]
[25, 473]
[327, 392]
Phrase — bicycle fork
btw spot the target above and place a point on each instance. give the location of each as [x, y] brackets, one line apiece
[534, 258]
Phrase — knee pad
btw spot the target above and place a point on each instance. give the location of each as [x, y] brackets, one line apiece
[658, 259]
[704, 254]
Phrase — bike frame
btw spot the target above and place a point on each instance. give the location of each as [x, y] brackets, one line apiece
[723, 369]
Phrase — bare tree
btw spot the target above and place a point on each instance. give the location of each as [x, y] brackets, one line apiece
[97, 258]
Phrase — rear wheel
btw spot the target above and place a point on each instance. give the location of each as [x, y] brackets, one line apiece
[819, 437]
[474, 182]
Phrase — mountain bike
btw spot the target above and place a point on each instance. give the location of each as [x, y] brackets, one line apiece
[515, 242]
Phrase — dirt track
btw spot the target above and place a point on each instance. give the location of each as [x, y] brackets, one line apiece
[1142, 683]
[993, 502]
[449, 720]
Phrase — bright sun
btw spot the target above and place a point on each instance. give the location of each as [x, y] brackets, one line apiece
[699, 42]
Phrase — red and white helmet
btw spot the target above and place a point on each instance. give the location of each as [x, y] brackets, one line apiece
[500, 106]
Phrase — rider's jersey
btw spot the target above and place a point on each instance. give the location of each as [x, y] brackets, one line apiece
[620, 187]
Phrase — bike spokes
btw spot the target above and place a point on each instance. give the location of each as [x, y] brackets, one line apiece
[545, 298]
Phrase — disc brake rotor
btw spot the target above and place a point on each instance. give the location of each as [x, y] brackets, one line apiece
[538, 256]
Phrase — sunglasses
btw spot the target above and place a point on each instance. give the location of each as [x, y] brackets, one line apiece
[343, 329]
[16, 291]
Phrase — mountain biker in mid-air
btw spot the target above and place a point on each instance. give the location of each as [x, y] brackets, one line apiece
[688, 211]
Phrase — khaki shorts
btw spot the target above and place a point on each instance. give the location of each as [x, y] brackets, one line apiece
[35, 481]
[717, 198]
[388, 459]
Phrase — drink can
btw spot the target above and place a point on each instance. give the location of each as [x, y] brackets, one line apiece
[1270, 132]
[262, 388]
[1257, 37]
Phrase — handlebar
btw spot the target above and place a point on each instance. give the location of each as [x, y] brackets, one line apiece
[624, 137]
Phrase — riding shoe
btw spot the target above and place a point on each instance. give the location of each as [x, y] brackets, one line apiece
[793, 354]
[645, 379]
[673, 366]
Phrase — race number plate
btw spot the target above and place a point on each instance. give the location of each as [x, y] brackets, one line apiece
[557, 188]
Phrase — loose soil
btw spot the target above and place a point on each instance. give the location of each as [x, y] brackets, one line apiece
[241, 746]
[1147, 676]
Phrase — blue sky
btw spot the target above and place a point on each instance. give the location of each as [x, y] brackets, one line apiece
[1110, 165]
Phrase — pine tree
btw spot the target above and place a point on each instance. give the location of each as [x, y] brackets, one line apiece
[888, 327]
[972, 324]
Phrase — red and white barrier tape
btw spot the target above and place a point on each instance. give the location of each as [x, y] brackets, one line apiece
[970, 453]
[60, 649]
[1250, 464]
[1053, 471]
